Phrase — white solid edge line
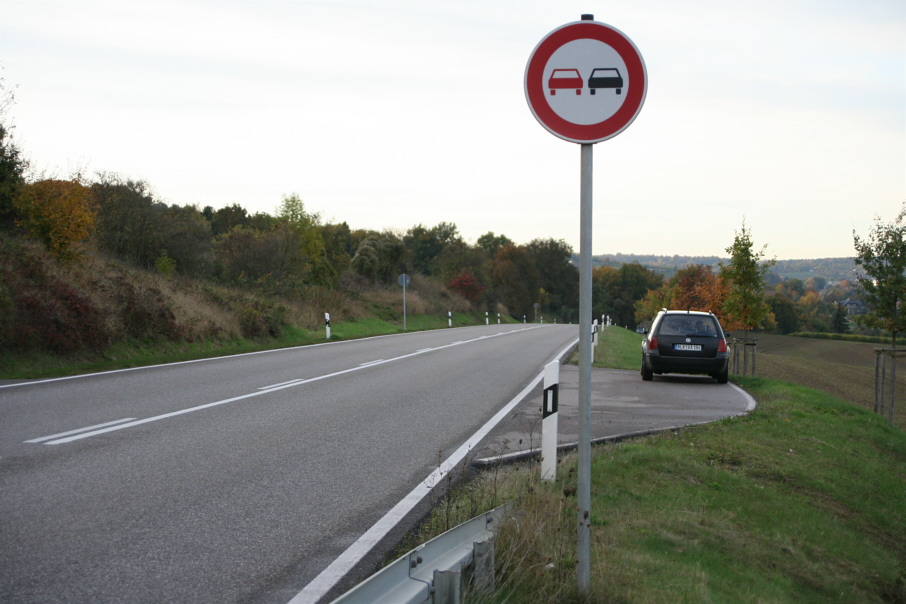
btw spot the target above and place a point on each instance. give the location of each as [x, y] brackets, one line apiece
[751, 403]
[336, 570]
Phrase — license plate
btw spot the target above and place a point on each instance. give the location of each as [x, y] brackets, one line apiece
[689, 347]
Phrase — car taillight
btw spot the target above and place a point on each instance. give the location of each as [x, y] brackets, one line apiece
[722, 345]
[652, 343]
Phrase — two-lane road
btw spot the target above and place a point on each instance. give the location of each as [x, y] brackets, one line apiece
[238, 479]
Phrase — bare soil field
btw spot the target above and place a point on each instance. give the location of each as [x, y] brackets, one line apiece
[844, 369]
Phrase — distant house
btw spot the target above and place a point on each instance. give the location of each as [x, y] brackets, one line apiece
[853, 307]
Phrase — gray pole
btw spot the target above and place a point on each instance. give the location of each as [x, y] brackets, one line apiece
[584, 487]
[404, 305]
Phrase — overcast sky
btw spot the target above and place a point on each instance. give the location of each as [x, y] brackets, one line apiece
[790, 115]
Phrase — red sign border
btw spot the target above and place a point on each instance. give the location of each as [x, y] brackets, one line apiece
[635, 94]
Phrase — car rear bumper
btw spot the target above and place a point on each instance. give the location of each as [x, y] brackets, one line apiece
[665, 364]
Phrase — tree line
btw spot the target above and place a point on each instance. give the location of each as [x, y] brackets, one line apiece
[290, 249]
[294, 249]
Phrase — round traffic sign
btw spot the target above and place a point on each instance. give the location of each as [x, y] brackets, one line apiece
[585, 82]
[403, 280]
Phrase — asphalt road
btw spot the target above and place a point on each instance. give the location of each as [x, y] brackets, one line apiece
[622, 405]
[238, 479]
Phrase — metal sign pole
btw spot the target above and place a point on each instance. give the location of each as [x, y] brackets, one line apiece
[558, 62]
[584, 486]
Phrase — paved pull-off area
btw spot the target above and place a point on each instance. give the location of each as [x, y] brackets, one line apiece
[622, 404]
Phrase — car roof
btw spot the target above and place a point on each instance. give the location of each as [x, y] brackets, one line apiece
[697, 313]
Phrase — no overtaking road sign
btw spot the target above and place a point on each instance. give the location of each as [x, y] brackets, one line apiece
[585, 82]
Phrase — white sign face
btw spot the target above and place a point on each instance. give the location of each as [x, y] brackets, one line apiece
[585, 82]
[595, 63]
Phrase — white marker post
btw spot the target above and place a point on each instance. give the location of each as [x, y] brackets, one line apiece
[449, 318]
[487, 320]
[549, 420]
[327, 322]
[602, 83]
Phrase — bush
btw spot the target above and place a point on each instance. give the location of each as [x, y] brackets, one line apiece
[257, 319]
[42, 312]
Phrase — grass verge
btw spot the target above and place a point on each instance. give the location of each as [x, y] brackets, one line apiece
[138, 353]
[803, 500]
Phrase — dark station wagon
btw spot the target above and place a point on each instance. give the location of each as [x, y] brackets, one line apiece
[683, 341]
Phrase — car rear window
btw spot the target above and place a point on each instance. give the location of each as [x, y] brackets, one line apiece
[679, 325]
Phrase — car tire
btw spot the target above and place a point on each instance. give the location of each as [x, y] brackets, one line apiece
[647, 374]
[723, 377]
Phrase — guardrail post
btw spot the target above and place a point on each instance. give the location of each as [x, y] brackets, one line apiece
[549, 421]
[483, 565]
[447, 586]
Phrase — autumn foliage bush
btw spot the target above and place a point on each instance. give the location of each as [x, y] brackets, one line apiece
[58, 213]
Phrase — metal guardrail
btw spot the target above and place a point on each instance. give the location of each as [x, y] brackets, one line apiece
[411, 578]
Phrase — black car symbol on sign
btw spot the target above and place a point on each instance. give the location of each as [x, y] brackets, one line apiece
[605, 77]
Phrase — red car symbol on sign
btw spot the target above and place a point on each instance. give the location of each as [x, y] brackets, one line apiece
[565, 79]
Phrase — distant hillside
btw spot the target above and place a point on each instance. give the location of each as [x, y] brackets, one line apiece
[831, 269]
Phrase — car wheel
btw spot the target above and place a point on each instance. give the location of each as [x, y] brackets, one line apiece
[723, 377]
[647, 374]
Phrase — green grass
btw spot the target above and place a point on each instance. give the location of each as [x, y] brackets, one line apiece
[142, 353]
[618, 348]
[803, 500]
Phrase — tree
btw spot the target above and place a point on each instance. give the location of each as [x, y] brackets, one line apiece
[792, 289]
[185, 239]
[306, 249]
[380, 257]
[696, 287]
[225, 219]
[838, 322]
[249, 256]
[129, 220]
[785, 315]
[615, 292]
[467, 286]
[338, 246]
[491, 243]
[557, 276]
[426, 245]
[745, 306]
[59, 213]
[12, 165]
[515, 279]
[882, 260]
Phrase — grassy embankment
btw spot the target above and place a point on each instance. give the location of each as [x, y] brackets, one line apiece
[137, 354]
[803, 500]
[98, 314]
